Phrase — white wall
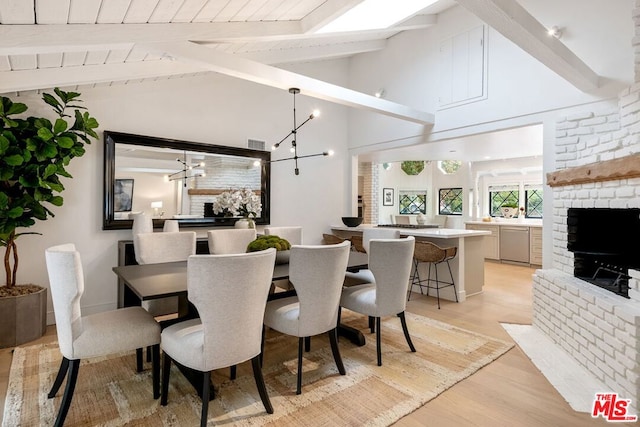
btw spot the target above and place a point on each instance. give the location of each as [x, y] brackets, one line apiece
[211, 109]
[408, 70]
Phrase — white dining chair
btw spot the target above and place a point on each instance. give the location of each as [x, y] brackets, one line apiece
[230, 292]
[154, 248]
[292, 234]
[317, 273]
[171, 226]
[230, 241]
[101, 334]
[365, 275]
[390, 263]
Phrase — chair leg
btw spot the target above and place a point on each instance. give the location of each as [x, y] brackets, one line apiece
[264, 331]
[406, 331]
[333, 339]
[300, 345]
[262, 389]
[437, 286]
[372, 324]
[149, 354]
[307, 344]
[74, 367]
[139, 359]
[378, 342]
[62, 372]
[155, 370]
[453, 282]
[166, 370]
[233, 370]
[206, 381]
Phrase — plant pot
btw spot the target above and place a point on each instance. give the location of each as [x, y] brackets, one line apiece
[245, 223]
[23, 318]
[509, 212]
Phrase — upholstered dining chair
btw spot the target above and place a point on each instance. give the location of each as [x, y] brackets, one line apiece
[317, 273]
[101, 334]
[365, 275]
[292, 234]
[230, 241]
[230, 292]
[154, 248]
[390, 263]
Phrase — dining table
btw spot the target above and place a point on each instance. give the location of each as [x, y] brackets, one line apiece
[146, 282]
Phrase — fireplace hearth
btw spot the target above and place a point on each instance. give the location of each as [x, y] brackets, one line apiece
[604, 243]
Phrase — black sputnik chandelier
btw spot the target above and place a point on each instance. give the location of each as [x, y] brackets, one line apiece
[294, 136]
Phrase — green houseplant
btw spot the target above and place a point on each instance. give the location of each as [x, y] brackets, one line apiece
[34, 153]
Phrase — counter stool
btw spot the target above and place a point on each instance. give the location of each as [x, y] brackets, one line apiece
[434, 255]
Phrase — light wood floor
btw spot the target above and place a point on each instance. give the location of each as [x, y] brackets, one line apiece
[508, 392]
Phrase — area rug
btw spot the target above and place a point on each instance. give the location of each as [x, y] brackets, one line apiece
[110, 393]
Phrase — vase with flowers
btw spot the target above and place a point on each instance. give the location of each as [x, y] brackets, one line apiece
[242, 203]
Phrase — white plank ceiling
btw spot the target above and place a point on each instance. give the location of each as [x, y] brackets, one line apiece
[80, 43]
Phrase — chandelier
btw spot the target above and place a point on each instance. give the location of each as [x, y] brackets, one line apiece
[294, 135]
[186, 173]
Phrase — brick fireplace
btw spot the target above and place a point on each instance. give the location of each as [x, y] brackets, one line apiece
[597, 166]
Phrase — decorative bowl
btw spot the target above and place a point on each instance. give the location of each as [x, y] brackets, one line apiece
[352, 221]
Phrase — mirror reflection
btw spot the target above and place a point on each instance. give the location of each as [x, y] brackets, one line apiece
[197, 184]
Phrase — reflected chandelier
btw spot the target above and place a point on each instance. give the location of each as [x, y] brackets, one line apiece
[185, 173]
[294, 133]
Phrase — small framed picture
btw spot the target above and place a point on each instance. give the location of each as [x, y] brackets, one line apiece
[387, 197]
[123, 195]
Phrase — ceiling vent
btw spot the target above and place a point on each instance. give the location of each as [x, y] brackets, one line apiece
[256, 144]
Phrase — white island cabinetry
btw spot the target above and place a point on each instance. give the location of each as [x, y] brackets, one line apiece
[467, 267]
[491, 243]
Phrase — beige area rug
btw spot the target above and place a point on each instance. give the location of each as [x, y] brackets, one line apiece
[110, 393]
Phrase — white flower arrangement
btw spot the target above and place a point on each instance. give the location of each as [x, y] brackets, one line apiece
[244, 203]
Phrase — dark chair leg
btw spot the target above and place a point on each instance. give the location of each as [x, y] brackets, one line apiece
[262, 389]
[378, 342]
[149, 354]
[74, 366]
[264, 331]
[333, 339]
[307, 344]
[437, 286]
[139, 359]
[166, 370]
[233, 371]
[300, 345]
[206, 381]
[406, 331]
[62, 372]
[372, 324]
[155, 370]
[453, 282]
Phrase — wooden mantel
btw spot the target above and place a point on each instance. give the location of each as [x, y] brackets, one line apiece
[609, 170]
[210, 191]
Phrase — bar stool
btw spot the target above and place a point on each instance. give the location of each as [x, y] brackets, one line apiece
[433, 254]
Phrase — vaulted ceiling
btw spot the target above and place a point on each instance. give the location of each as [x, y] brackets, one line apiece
[48, 43]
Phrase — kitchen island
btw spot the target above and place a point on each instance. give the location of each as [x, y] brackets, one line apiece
[467, 267]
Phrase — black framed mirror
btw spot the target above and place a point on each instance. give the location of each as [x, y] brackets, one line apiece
[181, 180]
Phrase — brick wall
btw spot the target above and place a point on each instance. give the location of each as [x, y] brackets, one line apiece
[599, 329]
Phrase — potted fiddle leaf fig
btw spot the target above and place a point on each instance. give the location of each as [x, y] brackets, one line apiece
[34, 154]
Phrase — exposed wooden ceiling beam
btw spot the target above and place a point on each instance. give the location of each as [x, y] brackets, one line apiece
[314, 53]
[36, 36]
[16, 81]
[256, 72]
[510, 19]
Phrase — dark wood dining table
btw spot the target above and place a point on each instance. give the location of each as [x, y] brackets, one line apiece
[153, 281]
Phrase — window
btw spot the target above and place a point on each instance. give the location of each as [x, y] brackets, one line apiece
[499, 196]
[412, 202]
[450, 201]
[533, 202]
[449, 167]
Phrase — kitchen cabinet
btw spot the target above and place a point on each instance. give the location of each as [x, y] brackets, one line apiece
[535, 245]
[491, 243]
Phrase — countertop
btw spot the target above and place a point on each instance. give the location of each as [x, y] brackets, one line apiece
[442, 233]
[511, 222]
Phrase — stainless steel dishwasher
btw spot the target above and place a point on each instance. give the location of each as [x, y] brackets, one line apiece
[514, 244]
